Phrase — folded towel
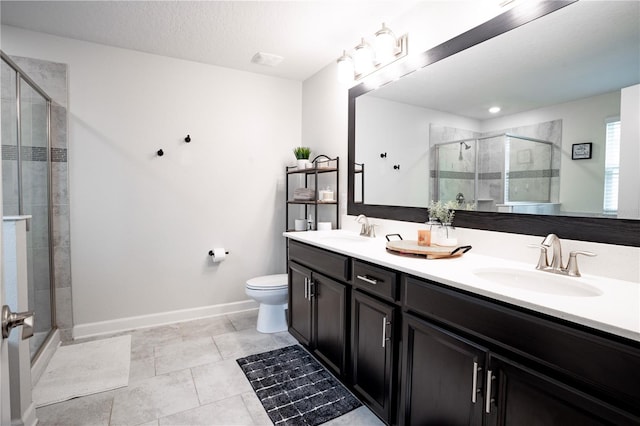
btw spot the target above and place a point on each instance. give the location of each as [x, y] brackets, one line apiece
[303, 194]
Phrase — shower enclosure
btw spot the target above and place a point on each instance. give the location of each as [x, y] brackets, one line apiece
[505, 172]
[26, 186]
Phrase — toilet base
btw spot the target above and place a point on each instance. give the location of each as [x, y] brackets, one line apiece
[272, 318]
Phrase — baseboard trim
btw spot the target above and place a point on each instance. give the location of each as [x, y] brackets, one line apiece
[163, 318]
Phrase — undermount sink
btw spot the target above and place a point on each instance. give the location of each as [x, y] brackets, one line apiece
[538, 282]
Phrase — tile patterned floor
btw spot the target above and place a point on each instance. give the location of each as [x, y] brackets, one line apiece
[186, 374]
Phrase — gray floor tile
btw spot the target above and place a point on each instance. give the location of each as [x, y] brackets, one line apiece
[244, 320]
[89, 410]
[284, 339]
[230, 411]
[243, 343]
[141, 369]
[206, 327]
[209, 394]
[186, 354]
[256, 410]
[219, 380]
[156, 336]
[154, 398]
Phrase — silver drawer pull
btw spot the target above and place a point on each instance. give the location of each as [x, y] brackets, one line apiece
[366, 279]
[306, 288]
[384, 332]
[488, 398]
[474, 385]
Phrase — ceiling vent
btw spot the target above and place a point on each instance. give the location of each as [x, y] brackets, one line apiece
[266, 59]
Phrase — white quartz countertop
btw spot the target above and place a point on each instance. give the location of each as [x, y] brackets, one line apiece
[614, 308]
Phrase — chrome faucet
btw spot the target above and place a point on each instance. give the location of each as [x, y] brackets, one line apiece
[553, 241]
[367, 230]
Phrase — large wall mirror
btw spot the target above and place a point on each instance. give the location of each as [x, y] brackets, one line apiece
[560, 72]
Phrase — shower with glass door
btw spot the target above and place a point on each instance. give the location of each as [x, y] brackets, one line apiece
[26, 187]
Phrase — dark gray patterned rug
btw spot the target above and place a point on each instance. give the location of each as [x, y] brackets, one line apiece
[295, 389]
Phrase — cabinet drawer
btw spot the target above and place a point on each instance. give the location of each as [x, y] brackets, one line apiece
[375, 280]
[608, 367]
[331, 264]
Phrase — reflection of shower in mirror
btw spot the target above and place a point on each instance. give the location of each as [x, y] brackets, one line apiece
[466, 147]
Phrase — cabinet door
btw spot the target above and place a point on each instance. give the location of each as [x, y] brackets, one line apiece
[299, 303]
[441, 376]
[373, 352]
[329, 321]
[525, 397]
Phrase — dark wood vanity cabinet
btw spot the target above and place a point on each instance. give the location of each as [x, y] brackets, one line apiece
[318, 311]
[470, 361]
[422, 353]
[374, 348]
[523, 396]
[442, 376]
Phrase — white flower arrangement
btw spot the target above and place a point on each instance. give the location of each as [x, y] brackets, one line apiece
[444, 212]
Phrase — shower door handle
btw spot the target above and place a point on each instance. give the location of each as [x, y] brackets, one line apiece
[11, 320]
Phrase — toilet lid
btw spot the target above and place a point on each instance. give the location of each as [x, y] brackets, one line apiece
[270, 282]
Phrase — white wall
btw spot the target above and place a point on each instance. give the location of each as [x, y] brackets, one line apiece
[629, 191]
[142, 225]
[402, 132]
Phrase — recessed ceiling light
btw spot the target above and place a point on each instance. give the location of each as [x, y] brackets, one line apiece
[494, 110]
[266, 59]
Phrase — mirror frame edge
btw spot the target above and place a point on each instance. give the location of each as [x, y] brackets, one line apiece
[625, 232]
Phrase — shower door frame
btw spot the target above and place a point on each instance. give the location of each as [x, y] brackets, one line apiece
[21, 75]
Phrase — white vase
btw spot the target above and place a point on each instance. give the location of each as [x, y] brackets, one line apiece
[302, 164]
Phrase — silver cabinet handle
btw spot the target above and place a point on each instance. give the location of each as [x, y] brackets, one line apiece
[384, 331]
[312, 286]
[488, 398]
[306, 288]
[474, 382]
[366, 279]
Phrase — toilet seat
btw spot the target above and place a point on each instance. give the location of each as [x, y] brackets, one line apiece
[268, 282]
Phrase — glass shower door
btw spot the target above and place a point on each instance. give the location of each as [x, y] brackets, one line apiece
[26, 189]
[34, 158]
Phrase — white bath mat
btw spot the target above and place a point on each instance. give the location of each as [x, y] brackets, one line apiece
[84, 369]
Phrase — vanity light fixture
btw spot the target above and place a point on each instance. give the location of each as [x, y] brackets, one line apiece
[363, 60]
[494, 109]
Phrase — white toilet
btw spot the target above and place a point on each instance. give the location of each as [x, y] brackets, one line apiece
[271, 292]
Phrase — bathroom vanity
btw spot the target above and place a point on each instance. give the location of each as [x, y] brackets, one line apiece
[450, 341]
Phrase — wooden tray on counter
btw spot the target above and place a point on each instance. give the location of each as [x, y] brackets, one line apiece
[411, 247]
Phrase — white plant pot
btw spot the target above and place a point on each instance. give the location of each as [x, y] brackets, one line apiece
[302, 164]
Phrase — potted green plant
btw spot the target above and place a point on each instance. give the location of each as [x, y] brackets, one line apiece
[302, 154]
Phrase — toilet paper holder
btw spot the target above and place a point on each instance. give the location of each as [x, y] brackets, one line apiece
[212, 254]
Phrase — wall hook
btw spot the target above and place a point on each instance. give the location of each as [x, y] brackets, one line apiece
[160, 153]
[383, 155]
[396, 167]
[187, 139]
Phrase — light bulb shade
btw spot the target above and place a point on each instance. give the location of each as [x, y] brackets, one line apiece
[385, 45]
[345, 69]
[363, 58]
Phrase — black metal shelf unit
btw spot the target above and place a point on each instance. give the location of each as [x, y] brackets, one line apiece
[322, 165]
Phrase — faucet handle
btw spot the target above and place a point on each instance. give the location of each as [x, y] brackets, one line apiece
[543, 262]
[372, 230]
[572, 266]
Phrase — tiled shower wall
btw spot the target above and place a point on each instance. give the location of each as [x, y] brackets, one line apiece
[52, 78]
[538, 179]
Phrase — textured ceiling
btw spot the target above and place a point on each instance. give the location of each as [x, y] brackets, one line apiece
[308, 34]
